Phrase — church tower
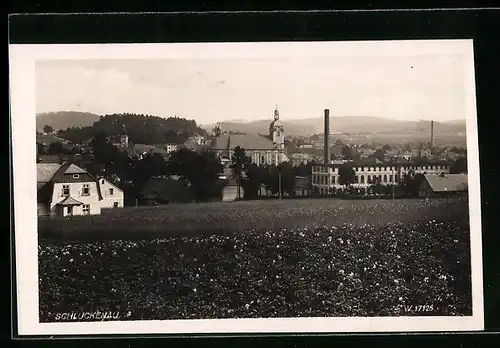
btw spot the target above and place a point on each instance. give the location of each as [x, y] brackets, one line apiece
[123, 138]
[276, 131]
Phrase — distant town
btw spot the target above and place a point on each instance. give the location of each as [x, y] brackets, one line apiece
[129, 160]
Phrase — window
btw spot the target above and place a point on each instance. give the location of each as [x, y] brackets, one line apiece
[65, 190]
[70, 211]
[86, 209]
[86, 190]
[115, 205]
[76, 176]
[111, 191]
[262, 160]
[362, 178]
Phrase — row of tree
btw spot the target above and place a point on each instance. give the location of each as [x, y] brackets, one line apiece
[141, 129]
[202, 169]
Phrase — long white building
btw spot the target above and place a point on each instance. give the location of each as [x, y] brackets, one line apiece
[325, 177]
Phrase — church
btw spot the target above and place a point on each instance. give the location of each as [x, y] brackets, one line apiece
[264, 149]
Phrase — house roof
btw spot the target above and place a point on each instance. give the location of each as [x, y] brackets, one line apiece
[246, 141]
[74, 169]
[50, 173]
[45, 171]
[69, 201]
[166, 189]
[447, 183]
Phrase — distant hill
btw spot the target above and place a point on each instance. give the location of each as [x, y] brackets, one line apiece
[65, 119]
[344, 124]
[141, 129]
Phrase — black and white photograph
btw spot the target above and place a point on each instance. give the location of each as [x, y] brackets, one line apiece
[246, 187]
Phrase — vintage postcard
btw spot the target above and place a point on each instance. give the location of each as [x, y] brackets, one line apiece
[279, 187]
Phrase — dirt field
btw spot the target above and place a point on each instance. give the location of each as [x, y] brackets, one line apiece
[260, 259]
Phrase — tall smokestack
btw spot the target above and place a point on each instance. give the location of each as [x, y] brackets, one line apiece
[326, 148]
[432, 134]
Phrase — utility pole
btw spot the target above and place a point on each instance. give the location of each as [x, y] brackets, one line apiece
[279, 182]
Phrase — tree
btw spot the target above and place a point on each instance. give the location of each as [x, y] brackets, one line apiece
[379, 154]
[56, 148]
[254, 177]
[47, 129]
[410, 183]
[41, 149]
[302, 170]
[349, 153]
[283, 172]
[386, 147]
[239, 163]
[459, 165]
[200, 169]
[347, 175]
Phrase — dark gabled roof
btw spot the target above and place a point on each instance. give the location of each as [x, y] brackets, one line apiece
[166, 189]
[246, 141]
[447, 182]
[44, 192]
[45, 171]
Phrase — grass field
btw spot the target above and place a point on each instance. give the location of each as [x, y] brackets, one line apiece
[259, 259]
[237, 217]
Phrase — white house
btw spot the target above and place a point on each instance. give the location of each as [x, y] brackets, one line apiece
[66, 190]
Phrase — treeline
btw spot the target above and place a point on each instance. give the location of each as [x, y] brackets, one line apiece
[141, 129]
[201, 170]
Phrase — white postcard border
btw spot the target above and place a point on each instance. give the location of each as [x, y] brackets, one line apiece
[22, 93]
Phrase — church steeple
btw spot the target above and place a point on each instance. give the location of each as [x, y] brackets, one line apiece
[276, 113]
[123, 137]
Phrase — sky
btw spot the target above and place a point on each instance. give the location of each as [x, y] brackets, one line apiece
[399, 86]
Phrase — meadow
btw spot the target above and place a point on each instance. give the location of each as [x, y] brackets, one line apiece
[290, 258]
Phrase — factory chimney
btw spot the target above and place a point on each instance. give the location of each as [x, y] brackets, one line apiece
[432, 134]
[326, 148]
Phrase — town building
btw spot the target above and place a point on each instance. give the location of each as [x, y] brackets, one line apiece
[66, 190]
[325, 177]
[262, 149]
[171, 147]
[443, 185]
[300, 158]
